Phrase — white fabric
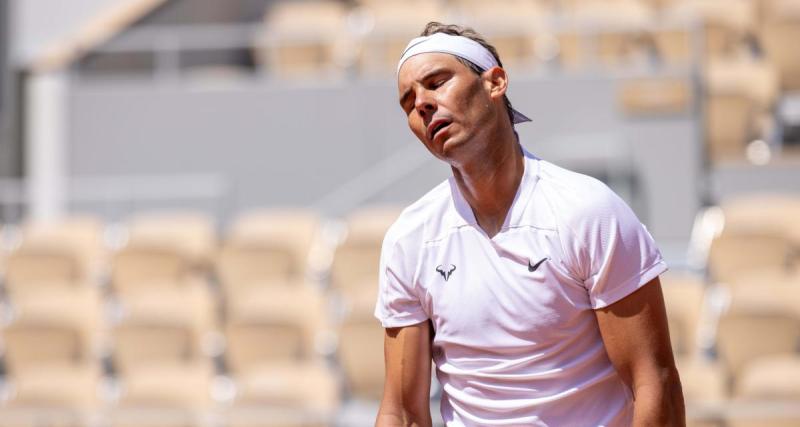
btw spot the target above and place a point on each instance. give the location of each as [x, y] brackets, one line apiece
[515, 347]
[455, 45]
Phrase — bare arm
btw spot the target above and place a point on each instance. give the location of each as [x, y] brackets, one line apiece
[406, 393]
[636, 337]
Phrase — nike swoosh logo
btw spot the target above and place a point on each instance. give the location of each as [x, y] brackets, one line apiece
[533, 267]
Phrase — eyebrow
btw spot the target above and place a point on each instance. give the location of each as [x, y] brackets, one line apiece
[427, 75]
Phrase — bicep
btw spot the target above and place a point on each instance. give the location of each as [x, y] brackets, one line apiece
[407, 355]
[636, 337]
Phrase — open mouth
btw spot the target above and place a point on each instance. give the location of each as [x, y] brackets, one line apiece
[437, 126]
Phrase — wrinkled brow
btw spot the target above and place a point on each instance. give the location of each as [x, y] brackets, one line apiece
[430, 74]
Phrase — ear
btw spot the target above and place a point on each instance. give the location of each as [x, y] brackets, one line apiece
[496, 82]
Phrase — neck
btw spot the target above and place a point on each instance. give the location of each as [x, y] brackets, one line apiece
[490, 182]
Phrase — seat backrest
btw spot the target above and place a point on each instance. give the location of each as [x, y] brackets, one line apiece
[141, 343]
[684, 301]
[189, 233]
[778, 32]
[273, 324]
[734, 254]
[137, 267]
[29, 269]
[361, 356]
[770, 378]
[240, 267]
[745, 335]
[29, 344]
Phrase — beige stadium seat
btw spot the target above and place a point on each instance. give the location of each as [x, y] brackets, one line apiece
[764, 421]
[356, 259]
[360, 355]
[776, 378]
[684, 300]
[273, 339]
[391, 24]
[274, 324]
[304, 39]
[780, 28]
[768, 289]
[31, 269]
[309, 387]
[168, 326]
[739, 93]
[704, 382]
[734, 254]
[774, 213]
[51, 352]
[161, 351]
[164, 385]
[189, 233]
[265, 247]
[772, 381]
[725, 24]
[510, 26]
[752, 330]
[65, 254]
[135, 268]
[81, 234]
[608, 33]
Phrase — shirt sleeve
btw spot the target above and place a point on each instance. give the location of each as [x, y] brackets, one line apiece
[398, 302]
[613, 253]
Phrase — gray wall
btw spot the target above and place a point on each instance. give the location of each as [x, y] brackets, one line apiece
[292, 145]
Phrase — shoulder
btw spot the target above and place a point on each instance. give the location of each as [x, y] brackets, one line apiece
[422, 220]
[577, 200]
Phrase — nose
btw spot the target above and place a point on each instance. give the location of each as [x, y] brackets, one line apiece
[425, 104]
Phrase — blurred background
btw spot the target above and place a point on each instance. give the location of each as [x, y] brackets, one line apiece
[193, 194]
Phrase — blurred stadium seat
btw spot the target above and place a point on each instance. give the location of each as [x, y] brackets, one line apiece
[388, 26]
[360, 354]
[51, 352]
[511, 25]
[740, 95]
[266, 247]
[355, 262]
[779, 28]
[316, 48]
[275, 339]
[726, 25]
[749, 330]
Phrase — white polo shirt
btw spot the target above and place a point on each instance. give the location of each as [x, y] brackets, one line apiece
[516, 338]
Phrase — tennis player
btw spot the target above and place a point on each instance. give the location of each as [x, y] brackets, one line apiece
[533, 289]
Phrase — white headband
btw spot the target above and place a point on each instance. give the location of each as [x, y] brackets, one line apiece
[460, 46]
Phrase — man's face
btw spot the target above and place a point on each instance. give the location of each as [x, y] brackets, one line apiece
[446, 103]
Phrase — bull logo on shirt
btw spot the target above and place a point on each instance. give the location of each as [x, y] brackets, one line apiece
[446, 274]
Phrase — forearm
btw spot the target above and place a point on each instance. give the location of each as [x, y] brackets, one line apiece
[398, 417]
[659, 403]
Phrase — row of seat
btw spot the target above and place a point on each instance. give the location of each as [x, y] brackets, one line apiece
[160, 334]
[316, 37]
[735, 329]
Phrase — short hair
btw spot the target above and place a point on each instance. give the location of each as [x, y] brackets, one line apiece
[434, 27]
